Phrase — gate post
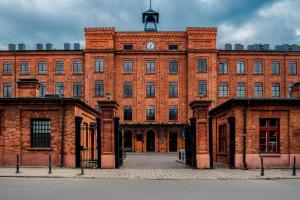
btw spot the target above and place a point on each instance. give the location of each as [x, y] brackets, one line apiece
[108, 110]
[200, 112]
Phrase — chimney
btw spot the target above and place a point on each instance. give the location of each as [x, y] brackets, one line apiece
[28, 88]
[296, 90]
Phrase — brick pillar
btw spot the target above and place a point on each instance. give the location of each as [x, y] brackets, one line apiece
[200, 113]
[28, 88]
[296, 90]
[107, 113]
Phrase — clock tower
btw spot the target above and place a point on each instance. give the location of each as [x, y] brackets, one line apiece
[150, 19]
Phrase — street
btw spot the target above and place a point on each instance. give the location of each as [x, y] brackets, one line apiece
[106, 189]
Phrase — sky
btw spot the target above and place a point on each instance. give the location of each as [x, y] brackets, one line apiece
[60, 21]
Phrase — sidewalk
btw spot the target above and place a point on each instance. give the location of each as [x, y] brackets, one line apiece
[151, 174]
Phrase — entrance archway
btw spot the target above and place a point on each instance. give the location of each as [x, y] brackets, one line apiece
[128, 141]
[150, 141]
[173, 143]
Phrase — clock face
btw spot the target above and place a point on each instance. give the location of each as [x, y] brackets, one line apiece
[150, 45]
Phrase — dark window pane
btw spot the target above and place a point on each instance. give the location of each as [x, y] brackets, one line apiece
[173, 66]
[150, 67]
[173, 89]
[40, 133]
[202, 65]
[202, 88]
[99, 88]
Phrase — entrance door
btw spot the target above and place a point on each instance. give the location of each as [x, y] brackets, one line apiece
[173, 142]
[150, 141]
[128, 141]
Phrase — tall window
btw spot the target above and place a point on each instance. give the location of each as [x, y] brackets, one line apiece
[173, 113]
[43, 89]
[240, 90]
[150, 89]
[7, 90]
[99, 65]
[128, 89]
[99, 88]
[150, 67]
[77, 89]
[77, 67]
[59, 67]
[24, 68]
[292, 68]
[7, 68]
[59, 88]
[258, 67]
[240, 67]
[127, 66]
[127, 113]
[258, 90]
[150, 113]
[202, 65]
[42, 67]
[173, 66]
[173, 89]
[222, 139]
[40, 133]
[223, 67]
[202, 88]
[275, 67]
[275, 89]
[269, 135]
[223, 90]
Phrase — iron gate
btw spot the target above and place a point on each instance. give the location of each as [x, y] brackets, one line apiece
[190, 143]
[118, 144]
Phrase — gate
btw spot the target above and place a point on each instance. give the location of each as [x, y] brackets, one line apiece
[118, 144]
[190, 143]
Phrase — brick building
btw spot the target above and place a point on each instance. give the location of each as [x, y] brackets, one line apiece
[154, 76]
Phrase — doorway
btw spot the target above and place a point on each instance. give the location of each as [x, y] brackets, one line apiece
[150, 141]
[173, 141]
[128, 141]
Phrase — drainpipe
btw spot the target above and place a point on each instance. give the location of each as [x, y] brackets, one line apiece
[62, 148]
[15, 66]
[245, 136]
[284, 75]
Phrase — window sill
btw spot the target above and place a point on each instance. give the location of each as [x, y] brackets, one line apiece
[257, 74]
[41, 74]
[175, 73]
[150, 74]
[98, 72]
[124, 73]
[202, 72]
[222, 74]
[127, 97]
[39, 149]
[150, 97]
[7, 74]
[269, 154]
[78, 74]
[173, 97]
[59, 74]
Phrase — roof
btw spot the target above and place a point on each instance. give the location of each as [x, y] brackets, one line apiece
[253, 102]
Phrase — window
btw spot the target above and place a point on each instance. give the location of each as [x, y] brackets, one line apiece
[7, 90]
[43, 89]
[173, 47]
[150, 67]
[24, 68]
[150, 113]
[127, 113]
[275, 68]
[275, 89]
[40, 133]
[173, 113]
[59, 88]
[292, 68]
[173, 66]
[127, 66]
[240, 90]
[240, 67]
[99, 88]
[223, 67]
[99, 65]
[202, 65]
[258, 90]
[42, 67]
[77, 89]
[223, 90]
[269, 135]
[77, 67]
[7, 68]
[127, 89]
[258, 67]
[150, 89]
[202, 88]
[173, 89]
[59, 67]
[290, 90]
[222, 138]
[128, 46]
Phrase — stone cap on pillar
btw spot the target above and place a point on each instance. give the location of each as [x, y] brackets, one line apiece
[200, 104]
[108, 109]
[296, 90]
[28, 87]
[108, 104]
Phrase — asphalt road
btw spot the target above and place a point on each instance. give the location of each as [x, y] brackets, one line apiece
[103, 189]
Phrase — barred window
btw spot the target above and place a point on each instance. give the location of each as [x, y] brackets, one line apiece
[258, 67]
[99, 65]
[292, 68]
[150, 89]
[202, 65]
[128, 89]
[275, 67]
[7, 68]
[42, 67]
[7, 90]
[223, 90]
[40, 133]
[24, 68]
[240, 67]
[173, 113]
[173, 89]
[99, 88]
[240, 90]
[59, 67]
[223, 67]
[77, 67]
[258, 90]
[269, 135]
[77, 89]
[59, 88]
[275, 89]
[173, 66]
[150, 67]
[127, 113]
[43, 89]
[202, 88]
[150, 113]
[127, 66]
